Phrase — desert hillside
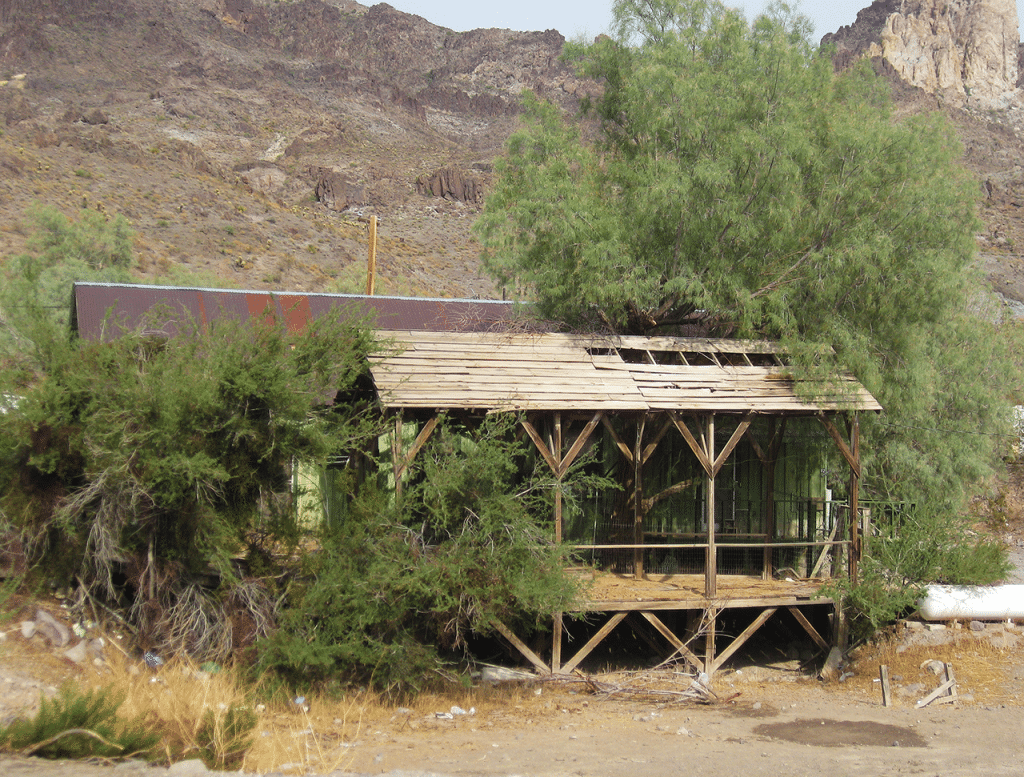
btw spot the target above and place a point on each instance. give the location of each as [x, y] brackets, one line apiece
[248, 141]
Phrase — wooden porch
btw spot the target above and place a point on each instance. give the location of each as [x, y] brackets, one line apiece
[638, 603]
[705, 397]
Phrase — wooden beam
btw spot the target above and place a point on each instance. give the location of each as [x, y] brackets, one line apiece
[813, 632]
[593, 642]
[737, 435]
[538, 441]
[774, 447]
[851, 459]
[643, 630]
[825, 549]
[883, 675]
[746, 634]
[854, 548]
[396, 454]
[652, 446]
[677, 643]
[638, 501]
[711, 559]
[556, 450]
[762, 457]
[577, 446]
[697, 448]
[616, 439]
[710, 632]
[417, 445]
[556, 644]
[519, 645]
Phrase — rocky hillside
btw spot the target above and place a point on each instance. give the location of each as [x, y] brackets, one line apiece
[248, 140]
[960, 57]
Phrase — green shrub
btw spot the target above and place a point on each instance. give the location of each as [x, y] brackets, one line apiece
[395, 581]
[78, 724]
[907, 551]
[224, 738]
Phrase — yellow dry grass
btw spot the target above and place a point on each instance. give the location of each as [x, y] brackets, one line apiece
[982, 664]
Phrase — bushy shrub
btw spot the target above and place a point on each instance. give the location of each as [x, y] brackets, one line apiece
[907, 551]
[468, 543]
[79, 724]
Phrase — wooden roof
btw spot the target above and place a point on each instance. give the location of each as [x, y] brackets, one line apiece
[505, 371]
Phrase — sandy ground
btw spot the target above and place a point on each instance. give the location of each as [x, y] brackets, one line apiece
[763, 719]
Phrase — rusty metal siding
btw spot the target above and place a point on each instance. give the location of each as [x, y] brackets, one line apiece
[105, 310]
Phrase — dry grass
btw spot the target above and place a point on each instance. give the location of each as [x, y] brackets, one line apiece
[319, 738]
[982, 662]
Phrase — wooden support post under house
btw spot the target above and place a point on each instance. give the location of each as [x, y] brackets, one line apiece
[396, 454]
[556, 644]
[521, 646]
[677, 643]
[737, 643]
[593, 642]
[710, 633]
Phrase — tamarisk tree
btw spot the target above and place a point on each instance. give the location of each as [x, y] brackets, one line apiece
[726, 176]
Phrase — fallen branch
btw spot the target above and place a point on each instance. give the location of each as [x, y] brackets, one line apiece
[71, 731]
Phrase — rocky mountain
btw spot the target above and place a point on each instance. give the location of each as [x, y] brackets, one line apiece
[248, 140]
[964, 51]
[245, 140]
[960, 57]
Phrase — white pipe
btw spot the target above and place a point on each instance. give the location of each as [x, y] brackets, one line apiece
[976, 602]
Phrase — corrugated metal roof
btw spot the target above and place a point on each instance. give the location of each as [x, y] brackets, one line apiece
[452, 354]
[504, 371]
[106, 310]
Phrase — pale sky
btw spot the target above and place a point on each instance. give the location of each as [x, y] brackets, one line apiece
[591, 17]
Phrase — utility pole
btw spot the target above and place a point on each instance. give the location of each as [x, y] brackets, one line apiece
[371, 261]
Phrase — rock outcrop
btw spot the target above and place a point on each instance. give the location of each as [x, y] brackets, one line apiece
[964, 50]
[451, 184]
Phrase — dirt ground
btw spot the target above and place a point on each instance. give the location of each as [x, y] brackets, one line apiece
[763, 719]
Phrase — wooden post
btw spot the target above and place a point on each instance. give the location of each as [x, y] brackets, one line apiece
[711, 559]
[371, 259]
[638, 502]
[556, 645]
[396, 455]
[710, 618]
[883, 674]
[556, 448]
[854, 553]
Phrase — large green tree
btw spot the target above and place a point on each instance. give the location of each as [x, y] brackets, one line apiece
[726, 176]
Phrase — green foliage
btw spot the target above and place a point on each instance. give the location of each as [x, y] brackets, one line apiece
[468, 543]
[729, 176]
[35, 297]
[159, 460]
[225, 737]
[908, 550]
[78, 724]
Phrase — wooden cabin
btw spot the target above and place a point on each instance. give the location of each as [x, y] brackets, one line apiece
[720, 453]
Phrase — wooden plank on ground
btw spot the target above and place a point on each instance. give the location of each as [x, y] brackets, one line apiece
[883, 676]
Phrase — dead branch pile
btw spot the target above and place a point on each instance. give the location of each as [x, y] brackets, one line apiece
[667, 685]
